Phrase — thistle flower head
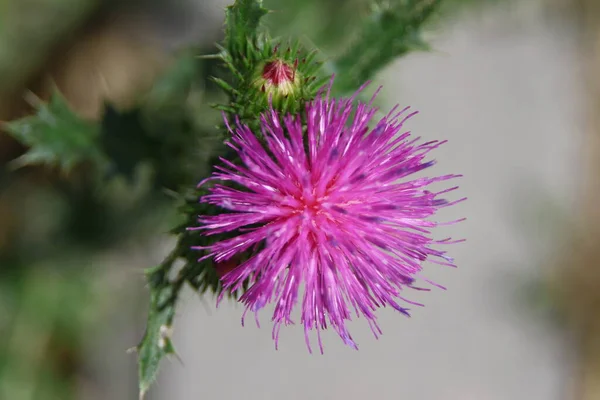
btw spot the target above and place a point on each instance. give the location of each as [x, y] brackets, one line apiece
[331, 207]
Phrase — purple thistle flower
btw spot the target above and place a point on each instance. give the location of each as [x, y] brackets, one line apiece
[332, 208]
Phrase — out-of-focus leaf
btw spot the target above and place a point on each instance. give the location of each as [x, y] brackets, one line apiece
[392, 29]
[56, 136]
[124, 140]
[171, 91]
[327, 24]
[49, 313]
[162, 130]
[168, 144]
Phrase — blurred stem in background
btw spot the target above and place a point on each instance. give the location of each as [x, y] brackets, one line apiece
[578, 281]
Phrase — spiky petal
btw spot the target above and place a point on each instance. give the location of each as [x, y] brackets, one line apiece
[333, 208]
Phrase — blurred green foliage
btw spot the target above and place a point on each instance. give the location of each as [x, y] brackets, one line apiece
[392, 29]
[56, 136]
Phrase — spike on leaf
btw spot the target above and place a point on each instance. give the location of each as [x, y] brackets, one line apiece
[156, 343]
[56, 136]
[242, 21]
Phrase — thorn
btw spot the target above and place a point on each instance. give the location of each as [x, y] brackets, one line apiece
[178, 359]
[17, 163]
[209, 56]
[171, 193]
[32, 99]
[55, 88]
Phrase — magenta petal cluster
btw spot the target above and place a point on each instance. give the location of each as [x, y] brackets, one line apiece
[330, 207]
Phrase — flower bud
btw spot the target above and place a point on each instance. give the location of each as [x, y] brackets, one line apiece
[278, 78]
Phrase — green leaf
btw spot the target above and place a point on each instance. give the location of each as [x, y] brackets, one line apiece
[56, 136]
[135, 136]
[174, 85]
[241, 48]
[242, 21]
[393, 29]
[156, 343]
[171, 129]
[202, 276]
[124, 140]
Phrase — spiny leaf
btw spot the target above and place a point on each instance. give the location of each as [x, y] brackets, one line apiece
[240, 50]
[242, 21]
[226, 86]
[393, 29]
[56, 136]
[156, 343]
[202, 276]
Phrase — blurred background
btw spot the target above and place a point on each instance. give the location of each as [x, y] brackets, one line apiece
[513, 85]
